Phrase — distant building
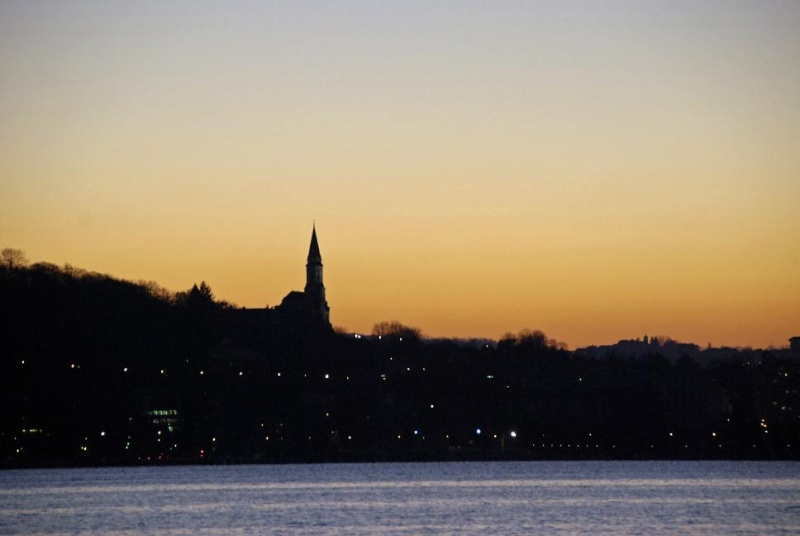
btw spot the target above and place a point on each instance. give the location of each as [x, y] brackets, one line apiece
[309, 305]
[794, 344]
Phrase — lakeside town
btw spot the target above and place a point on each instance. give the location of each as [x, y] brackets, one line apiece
[101, 371]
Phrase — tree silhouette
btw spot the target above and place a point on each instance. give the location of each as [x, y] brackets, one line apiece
[198, 297]
[397, 330]
[13, 258]
[530, 340]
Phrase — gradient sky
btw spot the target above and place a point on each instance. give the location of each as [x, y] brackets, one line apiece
[596, 170]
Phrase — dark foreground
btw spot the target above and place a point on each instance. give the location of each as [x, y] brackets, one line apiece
[97, 371]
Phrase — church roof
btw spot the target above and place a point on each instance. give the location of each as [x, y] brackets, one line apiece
[313, 250]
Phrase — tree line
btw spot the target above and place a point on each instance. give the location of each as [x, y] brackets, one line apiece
[97, 370]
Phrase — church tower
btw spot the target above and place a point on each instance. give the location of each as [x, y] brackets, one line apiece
[309, 307]
[315, 289]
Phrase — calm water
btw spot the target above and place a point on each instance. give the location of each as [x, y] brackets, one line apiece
[465, 498]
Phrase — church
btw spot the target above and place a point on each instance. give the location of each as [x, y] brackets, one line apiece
[310, 305]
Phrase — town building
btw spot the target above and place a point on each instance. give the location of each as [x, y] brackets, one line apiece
[309, 305]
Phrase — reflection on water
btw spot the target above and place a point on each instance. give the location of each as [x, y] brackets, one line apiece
[509, 498]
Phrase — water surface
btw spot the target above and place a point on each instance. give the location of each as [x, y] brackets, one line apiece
[466, 498]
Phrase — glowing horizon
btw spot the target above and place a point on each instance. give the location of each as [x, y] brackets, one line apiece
[599, 173]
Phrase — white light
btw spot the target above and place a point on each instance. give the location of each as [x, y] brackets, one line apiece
[327, 376]
[513, 434]
[102, 434]
[478, 431]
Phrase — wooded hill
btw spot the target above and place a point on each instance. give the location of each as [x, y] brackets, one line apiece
[96, 370]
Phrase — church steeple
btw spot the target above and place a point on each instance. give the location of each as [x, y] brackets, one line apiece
[309, 305]
[315, 289]
[314, 265]
[313, 250]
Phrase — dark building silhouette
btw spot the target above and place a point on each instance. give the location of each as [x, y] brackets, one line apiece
[794, 344]
[310, 304]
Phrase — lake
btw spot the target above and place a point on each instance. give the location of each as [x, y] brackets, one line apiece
[407, 498]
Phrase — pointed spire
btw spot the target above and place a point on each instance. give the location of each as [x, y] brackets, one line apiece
[313, 250]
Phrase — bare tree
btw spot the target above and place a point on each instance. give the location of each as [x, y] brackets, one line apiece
[531, 340]
[13, 258]
[396, 329]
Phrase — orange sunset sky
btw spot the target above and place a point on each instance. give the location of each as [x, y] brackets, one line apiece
[596, 170]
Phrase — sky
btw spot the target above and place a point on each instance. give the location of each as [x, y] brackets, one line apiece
[596, 170]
